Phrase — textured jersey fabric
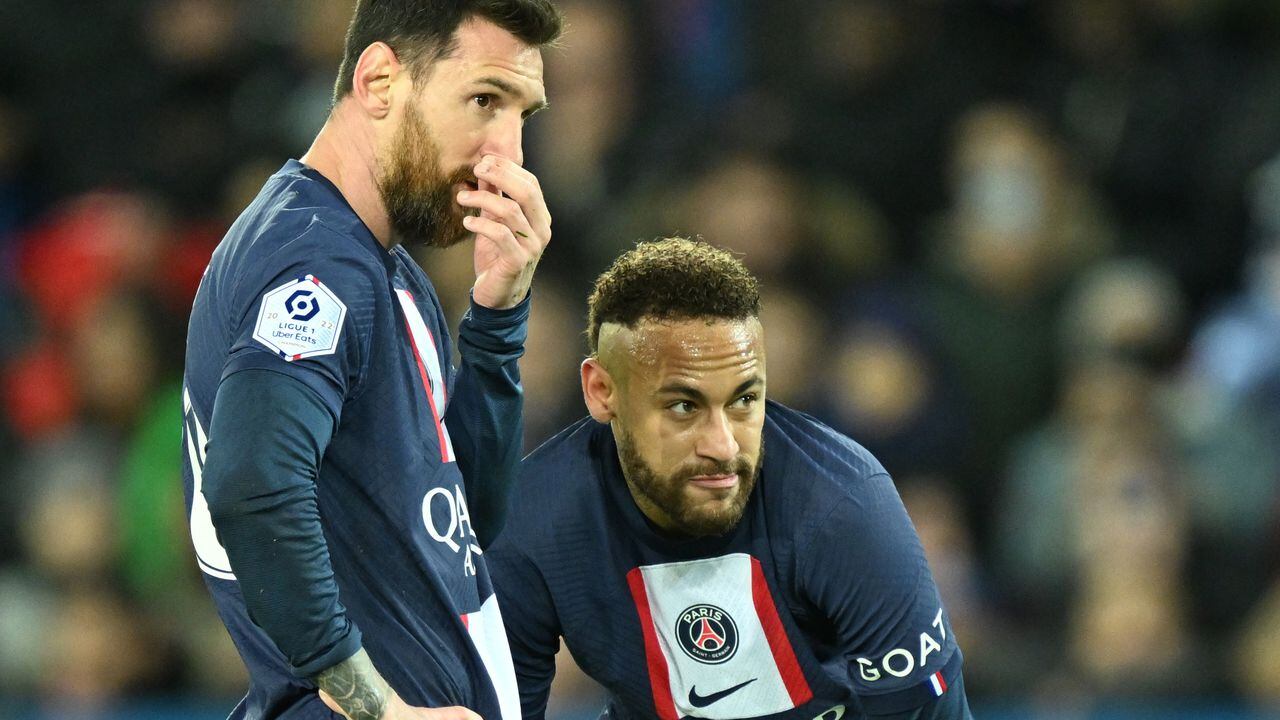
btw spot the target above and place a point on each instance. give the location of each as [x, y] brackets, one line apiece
[819, 602]
[418, 464]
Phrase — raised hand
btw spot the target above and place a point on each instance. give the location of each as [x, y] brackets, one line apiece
[512, 230]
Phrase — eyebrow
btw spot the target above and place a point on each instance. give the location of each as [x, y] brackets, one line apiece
[510, 89]
[679, 388]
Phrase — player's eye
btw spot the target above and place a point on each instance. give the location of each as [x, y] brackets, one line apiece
[681, 407]
[746, 401]
[483, 101]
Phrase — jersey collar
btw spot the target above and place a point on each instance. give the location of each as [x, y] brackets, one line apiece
[360, 230]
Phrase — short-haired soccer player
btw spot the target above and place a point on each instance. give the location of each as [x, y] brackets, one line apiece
[341, 477]
[705, 553]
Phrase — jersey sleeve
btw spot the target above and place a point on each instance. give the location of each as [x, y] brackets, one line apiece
[267, 436]
[865, 571]
[308, 311]
[486, 414]
[533, 631]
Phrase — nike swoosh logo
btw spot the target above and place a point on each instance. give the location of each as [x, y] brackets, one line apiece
[701, 701]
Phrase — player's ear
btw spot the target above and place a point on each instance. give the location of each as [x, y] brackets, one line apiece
[598, 390]
[372, 81]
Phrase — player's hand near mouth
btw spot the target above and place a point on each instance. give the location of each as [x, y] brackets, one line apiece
[512, 230]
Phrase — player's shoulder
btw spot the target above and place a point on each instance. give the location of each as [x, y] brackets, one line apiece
[819, 483]
[298, 219]
[567, 454]
[810, 440]
[559, 476]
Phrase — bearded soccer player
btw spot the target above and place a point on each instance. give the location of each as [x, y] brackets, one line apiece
[341, 477]
[705, 553]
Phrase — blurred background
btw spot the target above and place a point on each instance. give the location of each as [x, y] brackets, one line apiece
[1028, 253]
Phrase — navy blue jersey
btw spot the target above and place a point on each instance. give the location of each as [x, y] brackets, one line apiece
[819, 602]
[299, 286]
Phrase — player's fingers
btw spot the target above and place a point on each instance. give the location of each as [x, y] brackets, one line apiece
[495, 207]
[503, 239]
[450, 713]
[333, 705]
[509, 177]
[520, 185]
[485, 186]
[507, 213]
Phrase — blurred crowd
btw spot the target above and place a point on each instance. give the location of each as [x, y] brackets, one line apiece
[1028, 253]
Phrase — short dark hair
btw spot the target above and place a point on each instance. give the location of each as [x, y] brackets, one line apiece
[422, 31]
[672, 279]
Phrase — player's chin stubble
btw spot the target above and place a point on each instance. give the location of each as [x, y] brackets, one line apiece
[670, 494]
[417, 194]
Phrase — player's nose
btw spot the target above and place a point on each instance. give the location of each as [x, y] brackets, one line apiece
[506, 139]
[717, 441]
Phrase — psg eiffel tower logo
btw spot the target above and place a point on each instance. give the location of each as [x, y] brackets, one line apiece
[707, 634]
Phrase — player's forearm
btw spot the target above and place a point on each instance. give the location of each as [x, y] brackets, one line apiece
[266, 438]
[486, 413]
[356, 686]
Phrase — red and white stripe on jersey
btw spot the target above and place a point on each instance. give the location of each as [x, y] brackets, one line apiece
[490, 638]
[428, 358]
[760, 677]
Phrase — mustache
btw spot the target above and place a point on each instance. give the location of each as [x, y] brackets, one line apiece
[740, 466]
[460, 175]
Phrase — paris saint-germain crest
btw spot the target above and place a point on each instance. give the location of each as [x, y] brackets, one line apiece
[707, 634]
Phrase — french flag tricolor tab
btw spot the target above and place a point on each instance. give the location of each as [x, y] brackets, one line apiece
[937, 683]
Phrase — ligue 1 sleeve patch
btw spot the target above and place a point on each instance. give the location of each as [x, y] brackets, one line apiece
[300, 319]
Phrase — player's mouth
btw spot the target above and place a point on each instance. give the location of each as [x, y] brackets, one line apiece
[715, 482]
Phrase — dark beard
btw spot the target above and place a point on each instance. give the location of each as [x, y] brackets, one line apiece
[668, 493]
[417, 194]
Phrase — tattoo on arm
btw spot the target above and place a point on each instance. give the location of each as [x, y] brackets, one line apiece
[356, 686]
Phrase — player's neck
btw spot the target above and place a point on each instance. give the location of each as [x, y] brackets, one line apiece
[345, 154]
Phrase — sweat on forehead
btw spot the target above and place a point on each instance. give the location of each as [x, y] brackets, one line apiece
[653, 343]
[672, 279]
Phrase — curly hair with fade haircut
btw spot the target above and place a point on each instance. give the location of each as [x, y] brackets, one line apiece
[671, 279]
